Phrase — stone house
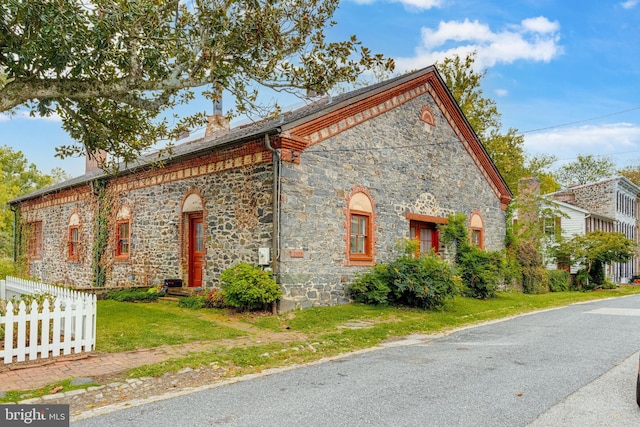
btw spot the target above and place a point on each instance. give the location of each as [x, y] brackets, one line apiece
[612, 205]
[317, 195]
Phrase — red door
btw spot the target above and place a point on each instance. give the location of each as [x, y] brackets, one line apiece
[196, 250]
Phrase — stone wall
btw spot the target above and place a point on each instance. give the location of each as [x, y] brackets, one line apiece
[237, 207]
[407, 165]
[602, 198]
[55, 212]
[599, 197]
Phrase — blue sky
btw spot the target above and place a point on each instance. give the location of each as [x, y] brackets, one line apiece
[566, 73]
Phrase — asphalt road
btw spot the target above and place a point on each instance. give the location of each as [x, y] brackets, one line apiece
[571, 366]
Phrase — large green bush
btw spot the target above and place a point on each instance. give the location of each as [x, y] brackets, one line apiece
[425, 282]
[559, 280]
[372, 287]
[248, 288]
[479, 271]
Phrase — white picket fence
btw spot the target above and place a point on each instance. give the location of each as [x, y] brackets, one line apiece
[64, 327]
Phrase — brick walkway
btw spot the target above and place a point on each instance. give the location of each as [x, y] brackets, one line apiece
[32, 376]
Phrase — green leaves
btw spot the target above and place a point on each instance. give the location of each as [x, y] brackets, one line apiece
[111, 68]
[506, 149]
[587, 168]
[248, 288]
[595, 250]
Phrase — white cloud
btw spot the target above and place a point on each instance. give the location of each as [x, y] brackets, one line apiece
[502, 92]
[620, 141]
[24, 115]
[409, 4]
[629, 4]
[534, 39]
[540, 25]
[419, 4]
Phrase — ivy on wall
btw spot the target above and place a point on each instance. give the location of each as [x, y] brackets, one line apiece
[101, 233]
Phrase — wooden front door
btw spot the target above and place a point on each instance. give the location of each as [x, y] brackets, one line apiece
[196, 249]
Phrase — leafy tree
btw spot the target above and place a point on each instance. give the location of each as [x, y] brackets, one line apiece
[587, 168]
[17, 177]
[594, 251]
[505, 149]
[110, 68]
[632, 173]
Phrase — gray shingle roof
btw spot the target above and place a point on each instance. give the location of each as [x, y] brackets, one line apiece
[203, 145]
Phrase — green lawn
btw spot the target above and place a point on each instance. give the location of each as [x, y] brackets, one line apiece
[294, 337]
[302, 335]
[125, 326]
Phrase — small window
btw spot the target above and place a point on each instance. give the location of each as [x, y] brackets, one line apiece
[360, 238]
[359, 242]
[73, 245]
[123, 233]
[476, 230]
[122, 239]
[426, 234]
[552, 227]
[476, 238]
[74, 242]
[35, 245]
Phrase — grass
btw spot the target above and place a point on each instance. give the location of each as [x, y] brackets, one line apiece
[324, 338]
[128, 326]
[294, 337]
[62, 386]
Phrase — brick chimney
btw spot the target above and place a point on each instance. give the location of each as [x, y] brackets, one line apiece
[566, 196]
[95, 160]
[217, 122]
[528, 192]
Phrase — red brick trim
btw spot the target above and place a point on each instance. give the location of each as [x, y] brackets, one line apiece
[338, 121]
[426, 218]
[426, 115]
[335, 122]
[72, 195]
[351, 260]
[476, 213]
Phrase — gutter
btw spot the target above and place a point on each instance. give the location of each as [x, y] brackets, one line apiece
[275, 238]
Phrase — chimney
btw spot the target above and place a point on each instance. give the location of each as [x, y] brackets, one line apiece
[217, 122]
[528, 186]
[566, 196]
[95, 160]
[528, 192]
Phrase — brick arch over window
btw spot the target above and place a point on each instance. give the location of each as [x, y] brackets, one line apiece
[360, 228]
[192, 202]
[476, 230]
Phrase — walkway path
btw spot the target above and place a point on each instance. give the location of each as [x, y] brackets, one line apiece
[31, 376]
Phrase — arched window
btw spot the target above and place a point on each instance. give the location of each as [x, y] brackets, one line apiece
[123, 233]
[360, 236]
[73, 244]
[476, 230]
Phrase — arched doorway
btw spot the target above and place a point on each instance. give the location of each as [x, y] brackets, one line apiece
[193, 217]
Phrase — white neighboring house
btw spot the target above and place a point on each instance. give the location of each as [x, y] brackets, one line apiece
[614, 199]
[574, 221]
